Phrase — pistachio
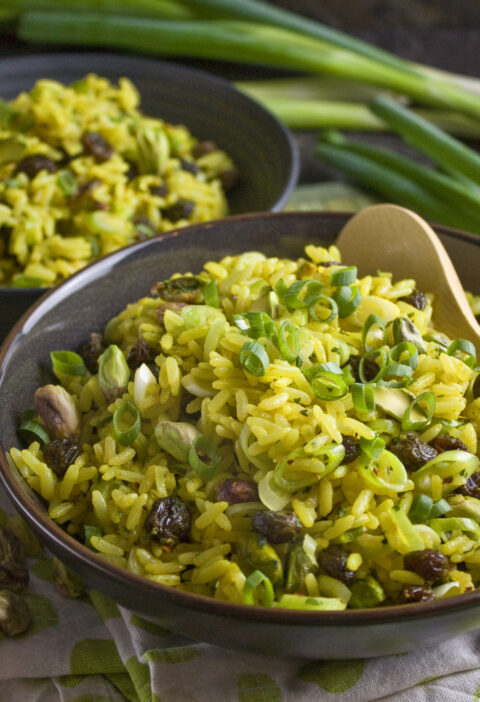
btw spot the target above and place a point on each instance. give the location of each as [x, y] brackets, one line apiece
[57, 410]
[15, 615]
[65, 581]
[405, 330]
[254, 553]
[113, 373]
[13, 573]
[176, 438]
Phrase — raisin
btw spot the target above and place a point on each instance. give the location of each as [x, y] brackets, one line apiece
[352, 448]
[370, 368]
[31, 165]
[430, 564]
[140, 353]
[97, 146]
[333, 560]
[133, 171]
[229, 179]
[168, 521]
[189, 166]
[415, 593]
[159, 190]
[445, 442]
[412, 451]
[92, 351]
[182, 209]
[203, 148]
[471, 488]
[416, 299]
[170, 305]
[277, 527]
[60, 454]
[234, 491]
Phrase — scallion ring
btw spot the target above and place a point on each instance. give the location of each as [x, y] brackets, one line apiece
[467, 348]
[289, 341]
[347, 299]
[420, 509]
[302, 293]
[204, 457]
[210, 292]
[406, 353]
[252, 583]
[373, 320]
[328, 386]
[363, 397]
[261, 324]
[395, 375]
[372, 448]
[327, 302]
[127, 436]
[31, 430]
[425, 398]
[382, 354]
[343, 276]
[254, 358]
[386, 474]
[67, 363]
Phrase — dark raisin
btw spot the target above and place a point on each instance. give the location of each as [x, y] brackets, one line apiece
[92, 351]
[172, 306]
[31, 165]
[476, 385]
[352, 448]
[159, 190]
[133, 171]
[234, 491]
[168, 521]
[60, 454]
[182, 209]
[140, 353]
[202, 148]
[416, 299]
[229, 179]
[445, 442]
[144, 227]
[370, 368]
[333, 560]
[189, 166]
[412, 451]
[471, 488]
[415, 593]
[97, 146]
[277, 527]
[430, 564]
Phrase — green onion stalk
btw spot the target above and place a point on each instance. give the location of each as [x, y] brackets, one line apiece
[245, 42]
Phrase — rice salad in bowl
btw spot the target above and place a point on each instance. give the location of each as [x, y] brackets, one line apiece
[272, 432]
[83, 172]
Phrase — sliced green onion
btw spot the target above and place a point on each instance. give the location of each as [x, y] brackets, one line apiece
[395, 370]
[373, 355]
[444, 524]
[397, 354]
[90, 531]
[241, 322]
[343, 276]
[281, 288]
[420, 509]
[299, 469]
[204, 457]
[126, 437]
[330, 366]
[373, 320]
[447, 464]
[289, 341]
[372, 448]
[67, 363]
[210, 292]
[254, 358]
[327, 301]
[427, 398]
[384, 426]
[327, 385]
[261, 325]
[406, 536]
[363, 397]
[302, 293]
[466, 347]
[252, 583]
[67, 182]
[347, 375]
[386, 474]
[440, 507]
[31, 430]
[347, 298]
[272, 496]
[321, 604]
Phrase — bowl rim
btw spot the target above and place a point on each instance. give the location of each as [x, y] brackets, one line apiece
[31, 511]
[59, 58]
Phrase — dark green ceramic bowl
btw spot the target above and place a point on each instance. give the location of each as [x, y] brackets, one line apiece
[262, 148]
[83, 304]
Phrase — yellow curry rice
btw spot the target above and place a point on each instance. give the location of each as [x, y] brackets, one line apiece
[274, 432]
[83, 172]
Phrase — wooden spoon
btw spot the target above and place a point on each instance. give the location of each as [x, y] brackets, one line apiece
[392, 238]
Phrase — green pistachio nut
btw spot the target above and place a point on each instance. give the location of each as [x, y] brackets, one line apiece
[176, 438]
[57, 410]
[113, 373]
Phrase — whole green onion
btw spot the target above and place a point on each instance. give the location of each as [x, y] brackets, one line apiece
[252, 584]
[67, 363]
[127, 436]
[254, 358]
[204, 457]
